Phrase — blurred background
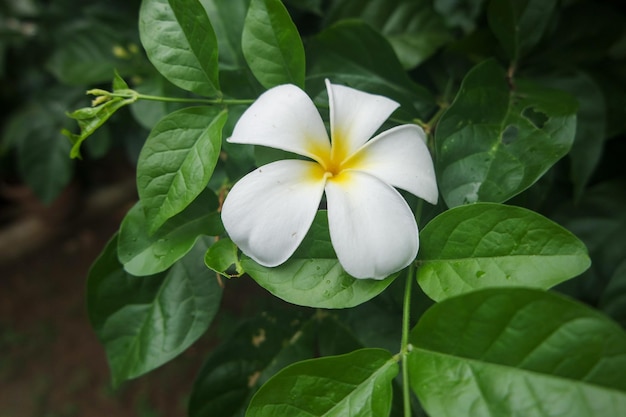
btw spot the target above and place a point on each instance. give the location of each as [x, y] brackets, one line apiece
[56, 214]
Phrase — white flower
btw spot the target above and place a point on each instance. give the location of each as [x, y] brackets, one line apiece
[372, 229]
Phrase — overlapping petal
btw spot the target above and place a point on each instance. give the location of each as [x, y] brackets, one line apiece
[400, 157]
[269, 211]
[283, 117]
[372, 228]
[355, 116]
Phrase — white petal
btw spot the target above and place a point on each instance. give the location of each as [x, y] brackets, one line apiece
[355, 116]
[269, 211]
[400, 157]
[283, 117]
[371, 226]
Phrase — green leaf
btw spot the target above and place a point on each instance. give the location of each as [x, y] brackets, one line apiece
[237, 367]
[144, 254]
[491, 245]
[227, 18]
[613, 301]
[221, 256]
[519, 25]
[507, 352]
[355, 384]
[177, 161]
[313, 277]
[352, 53]
[271, 44]
[42, 153]
[90, 119]
[591, 124]
[143, 322]
[414, 29]
[86, 56]
[180, 42]
[493, 142]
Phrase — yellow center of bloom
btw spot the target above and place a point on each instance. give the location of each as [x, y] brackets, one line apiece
[331, 163]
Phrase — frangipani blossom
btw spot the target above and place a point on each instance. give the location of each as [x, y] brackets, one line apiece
[372, 229]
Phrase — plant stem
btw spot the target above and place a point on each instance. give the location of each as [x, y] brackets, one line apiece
[406, 322]
[134, 95]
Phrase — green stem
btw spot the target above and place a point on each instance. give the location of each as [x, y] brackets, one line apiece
[406, 322]
[134, 95]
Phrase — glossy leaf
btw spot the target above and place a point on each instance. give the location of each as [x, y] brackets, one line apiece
[414, 29]
[177, 161]
[491, 245]
[271, 44]
[519, 25]
[502, 352]
[313, 277]
[354, 384]
[144, 254]
[143, 322]
[180, 42]
[352, 53]
[236, 369]
[493, 142]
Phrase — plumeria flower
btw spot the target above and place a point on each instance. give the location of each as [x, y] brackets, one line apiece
[372, 229]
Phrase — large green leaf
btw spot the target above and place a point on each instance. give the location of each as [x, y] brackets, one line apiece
[354, 384]
[177, 161]
[257, 348]
[272, 45]
[180, 42]
[414, 29]
[513, 352]
[353, 53]
[143, 322]
[492, 245]
[313, 276]
[519, 24]
[144, 254]
[495, 141]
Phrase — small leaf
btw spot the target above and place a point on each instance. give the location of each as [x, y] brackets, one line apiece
[177, 161]
[144, 322]
[313, 276]
[236, 368]
[493, 142]
[144, 254]
[90, 119]
[492, 245]
[355, 384]
[519, 25]
[271, 44]
[221, 256]
[502, 352]
[180, 42]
